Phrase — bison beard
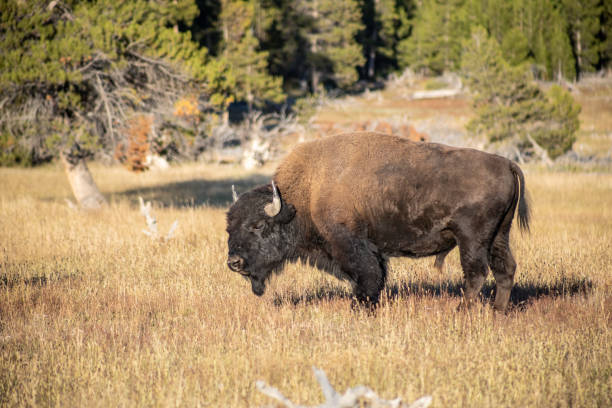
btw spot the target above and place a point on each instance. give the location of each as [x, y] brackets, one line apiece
[346, 203]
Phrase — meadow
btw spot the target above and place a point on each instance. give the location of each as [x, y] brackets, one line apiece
[95, 313]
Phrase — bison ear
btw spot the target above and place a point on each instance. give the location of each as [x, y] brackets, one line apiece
[286, 214]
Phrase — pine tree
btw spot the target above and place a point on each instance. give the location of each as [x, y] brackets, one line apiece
[386, 23]
[606, 33]
[515, 46]
[559, 133]
[583, 17]
[561, 60]
[495, 15]
[510, 107]
[265, 14]
[220, 83]
[253, 84]
[78, 70]
[435, 43]
[204, 28]
[527, 16]
[550, 45]
[330, 31]
[518, 27]
[249, 66]
[286, 44]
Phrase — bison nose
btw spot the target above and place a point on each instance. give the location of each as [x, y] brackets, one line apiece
[235, 263]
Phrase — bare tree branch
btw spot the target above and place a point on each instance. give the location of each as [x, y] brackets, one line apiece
[540, 151]
[161, 65]
[108, 112]
[359, 396]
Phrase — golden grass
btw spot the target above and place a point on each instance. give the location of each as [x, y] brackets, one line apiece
[393, 104]
[595, 97]
[94, 313]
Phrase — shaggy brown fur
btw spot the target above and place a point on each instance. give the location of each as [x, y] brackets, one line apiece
[359, 198]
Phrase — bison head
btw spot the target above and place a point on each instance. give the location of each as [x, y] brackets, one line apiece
[260, 234]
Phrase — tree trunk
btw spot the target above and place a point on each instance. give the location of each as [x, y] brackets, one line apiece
[315, 76]
[249, 93]
[540, 151]
[315, 79]
[82, 183]
[578, 54]
[372, 57]
[373, 39]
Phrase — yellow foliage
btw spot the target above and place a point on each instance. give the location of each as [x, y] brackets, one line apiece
[187, 108]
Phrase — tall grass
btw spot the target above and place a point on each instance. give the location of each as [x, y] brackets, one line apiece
[94, 313]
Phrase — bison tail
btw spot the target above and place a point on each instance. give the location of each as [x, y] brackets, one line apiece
[523, 202]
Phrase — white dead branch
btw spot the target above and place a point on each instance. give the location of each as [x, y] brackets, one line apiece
[156, 162]
[256, 154]
[453, 87]
[436, 93]
[257, 140]
[359, 396]
[151, 230]
[540, 151]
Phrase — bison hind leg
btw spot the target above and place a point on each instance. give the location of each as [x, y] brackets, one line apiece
[502, 262]
[503, 267]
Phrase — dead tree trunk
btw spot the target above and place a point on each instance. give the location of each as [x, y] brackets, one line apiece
[83, 186]
[540, 151]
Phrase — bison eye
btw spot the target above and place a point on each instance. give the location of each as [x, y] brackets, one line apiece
[258, 226]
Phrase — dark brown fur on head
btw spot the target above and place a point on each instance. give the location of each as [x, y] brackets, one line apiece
[258, 244]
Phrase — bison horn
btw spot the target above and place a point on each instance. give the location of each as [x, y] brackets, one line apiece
[273, 208]
[234, 194]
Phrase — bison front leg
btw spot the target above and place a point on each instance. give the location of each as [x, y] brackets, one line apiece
[362, 262]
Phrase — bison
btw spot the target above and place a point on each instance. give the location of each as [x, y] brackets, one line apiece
[347, 203]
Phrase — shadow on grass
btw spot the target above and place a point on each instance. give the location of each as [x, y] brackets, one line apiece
[38, 281]
[194, 193]
[521, 296]
[312, 296]
[11, 282]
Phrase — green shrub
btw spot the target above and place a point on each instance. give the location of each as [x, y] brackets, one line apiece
[560, 134]
[12, 153]
[511, 107]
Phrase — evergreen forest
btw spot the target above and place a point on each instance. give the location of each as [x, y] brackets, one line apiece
[83, 71]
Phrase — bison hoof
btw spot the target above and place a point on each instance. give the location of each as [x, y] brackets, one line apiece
[367, 305]
[466, 304]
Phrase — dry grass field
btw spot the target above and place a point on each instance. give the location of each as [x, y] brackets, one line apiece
[94, 313]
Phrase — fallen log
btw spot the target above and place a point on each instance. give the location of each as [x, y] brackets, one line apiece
[436, 93]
